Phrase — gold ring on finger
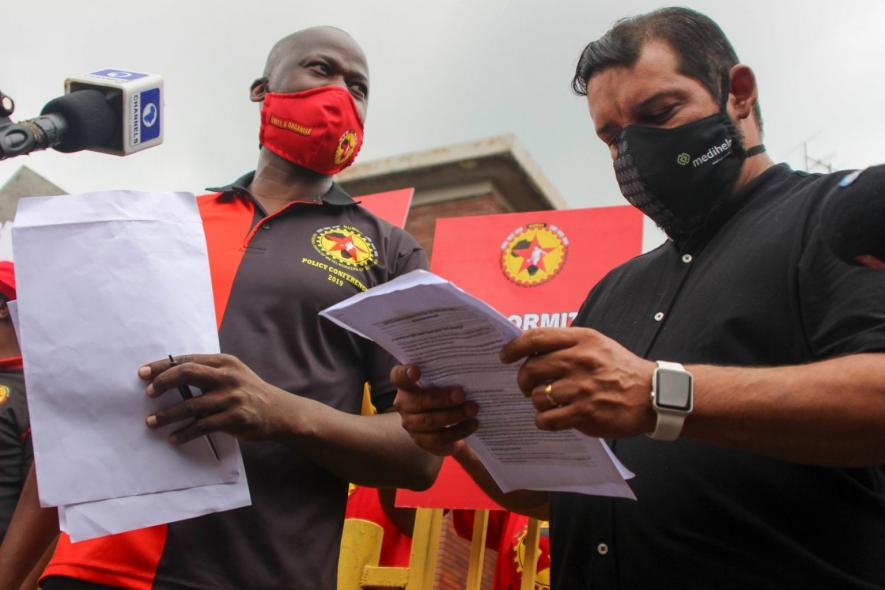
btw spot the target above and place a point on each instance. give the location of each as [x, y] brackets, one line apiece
[548, 393]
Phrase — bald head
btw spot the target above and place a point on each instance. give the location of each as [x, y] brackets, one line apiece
[301, 42]
[314, 57]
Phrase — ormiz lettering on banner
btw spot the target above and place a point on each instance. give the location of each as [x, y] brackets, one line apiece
[556, 319]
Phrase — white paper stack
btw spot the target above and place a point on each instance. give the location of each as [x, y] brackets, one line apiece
[107, 282]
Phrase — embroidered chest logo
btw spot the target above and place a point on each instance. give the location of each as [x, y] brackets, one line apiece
[346, 245]
[533, 254]
[345, 148]
[4, 395]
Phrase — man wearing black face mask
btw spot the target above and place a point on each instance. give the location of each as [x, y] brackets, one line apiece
[284, 242]
[738, 369]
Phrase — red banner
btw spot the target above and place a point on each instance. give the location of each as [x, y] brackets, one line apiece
[391, 206]
[535, 268]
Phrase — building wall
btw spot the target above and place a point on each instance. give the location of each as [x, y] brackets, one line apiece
[422, 218]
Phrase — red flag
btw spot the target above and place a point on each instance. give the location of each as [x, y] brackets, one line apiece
[391, 206]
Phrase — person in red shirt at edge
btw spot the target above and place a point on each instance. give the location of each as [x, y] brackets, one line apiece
[16, 451]
[289, 385]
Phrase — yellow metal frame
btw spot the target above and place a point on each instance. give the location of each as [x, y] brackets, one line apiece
[361, 549]
[358, 567]
[477, 549]
[530, 568]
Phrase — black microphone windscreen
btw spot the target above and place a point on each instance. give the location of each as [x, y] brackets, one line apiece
[91, 120]
[853, 219]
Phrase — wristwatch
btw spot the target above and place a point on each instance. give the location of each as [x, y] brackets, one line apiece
[672, 398]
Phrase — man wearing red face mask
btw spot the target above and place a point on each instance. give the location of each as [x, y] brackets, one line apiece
[284, 242]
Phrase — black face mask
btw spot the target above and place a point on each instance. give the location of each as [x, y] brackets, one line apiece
[679, 176]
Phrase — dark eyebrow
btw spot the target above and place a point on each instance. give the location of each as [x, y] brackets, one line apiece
[608, 130]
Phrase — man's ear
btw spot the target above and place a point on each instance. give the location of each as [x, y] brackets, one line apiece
[743, 90]
[4, 310]
[258, 89]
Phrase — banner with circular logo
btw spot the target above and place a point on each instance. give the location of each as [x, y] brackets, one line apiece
[532, 254]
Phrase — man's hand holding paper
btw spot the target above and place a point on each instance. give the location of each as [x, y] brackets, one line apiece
[437, 418]
[235, 400]
[578, 378]
[464, 392]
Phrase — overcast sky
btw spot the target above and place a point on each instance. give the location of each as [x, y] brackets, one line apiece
[442, 72]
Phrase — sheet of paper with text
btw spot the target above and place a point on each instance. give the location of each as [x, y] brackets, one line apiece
[454, 339]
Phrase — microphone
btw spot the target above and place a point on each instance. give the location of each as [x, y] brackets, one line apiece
[853, 218]
[110, 111]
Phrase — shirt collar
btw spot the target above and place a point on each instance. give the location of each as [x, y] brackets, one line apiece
[334, 196]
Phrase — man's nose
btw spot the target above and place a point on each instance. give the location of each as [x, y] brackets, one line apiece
[338, 81]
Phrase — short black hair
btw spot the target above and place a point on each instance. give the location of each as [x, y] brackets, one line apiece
[703, 50]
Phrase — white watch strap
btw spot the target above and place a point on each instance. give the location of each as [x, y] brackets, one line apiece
[669, 424]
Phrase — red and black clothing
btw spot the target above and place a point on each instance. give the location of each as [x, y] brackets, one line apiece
[271, 275]
[16, 450]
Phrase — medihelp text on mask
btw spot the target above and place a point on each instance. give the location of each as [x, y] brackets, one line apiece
[712, 153]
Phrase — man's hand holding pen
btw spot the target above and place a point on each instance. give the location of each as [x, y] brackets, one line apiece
[235, 400]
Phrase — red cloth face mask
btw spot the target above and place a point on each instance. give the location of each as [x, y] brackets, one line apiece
[318, 129]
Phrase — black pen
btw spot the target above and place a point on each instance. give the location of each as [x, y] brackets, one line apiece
[185, 392]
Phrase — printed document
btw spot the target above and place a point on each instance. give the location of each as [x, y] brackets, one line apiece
[455, 339]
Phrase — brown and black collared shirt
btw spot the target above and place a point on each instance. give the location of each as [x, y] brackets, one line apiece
[16, 450]
[271, 275]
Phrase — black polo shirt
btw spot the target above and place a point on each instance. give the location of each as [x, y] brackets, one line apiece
[16, 450]
[271, 275]
[759, 288]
